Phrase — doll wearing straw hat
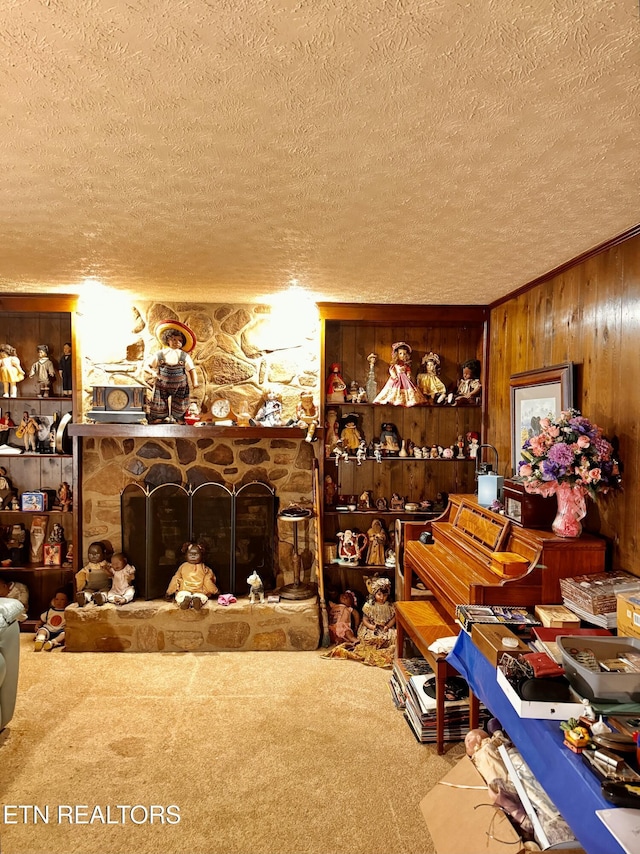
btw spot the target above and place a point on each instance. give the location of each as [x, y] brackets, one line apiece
[172, 368]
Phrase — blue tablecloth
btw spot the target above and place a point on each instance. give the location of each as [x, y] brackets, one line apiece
[572, 787]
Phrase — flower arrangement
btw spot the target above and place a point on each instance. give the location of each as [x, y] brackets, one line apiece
[569, 450]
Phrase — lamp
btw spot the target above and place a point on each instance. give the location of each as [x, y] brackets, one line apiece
[490, 483]
[297, 590]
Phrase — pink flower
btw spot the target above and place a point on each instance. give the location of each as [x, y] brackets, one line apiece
[594, 475]
[545, 423]
[554, 432]
[583, 442]
[526, 470]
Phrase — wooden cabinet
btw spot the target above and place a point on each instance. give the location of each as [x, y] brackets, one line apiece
[28, 322]
[350, 333]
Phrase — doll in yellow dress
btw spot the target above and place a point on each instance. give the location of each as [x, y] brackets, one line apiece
[400, 389]
[428, 381]
[11, 372]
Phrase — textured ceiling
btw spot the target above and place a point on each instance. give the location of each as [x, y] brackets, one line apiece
[375, 150]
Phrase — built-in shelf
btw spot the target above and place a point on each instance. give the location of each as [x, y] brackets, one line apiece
[184, 431]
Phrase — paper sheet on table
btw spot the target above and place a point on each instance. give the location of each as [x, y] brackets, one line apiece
[624, 824]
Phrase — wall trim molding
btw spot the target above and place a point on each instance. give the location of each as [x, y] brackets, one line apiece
[632, 232]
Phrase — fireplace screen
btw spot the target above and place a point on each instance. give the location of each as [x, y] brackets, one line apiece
[237, 527]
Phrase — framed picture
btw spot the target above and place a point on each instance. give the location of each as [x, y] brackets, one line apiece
[535, 395]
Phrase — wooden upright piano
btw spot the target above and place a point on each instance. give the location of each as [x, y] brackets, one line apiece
[457, 566]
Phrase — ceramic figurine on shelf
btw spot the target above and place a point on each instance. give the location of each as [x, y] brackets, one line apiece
[428, 381]
[469, 387]
[256, 588]
[379, 613]
[400, 389]
[64, 496]
[6, 423]
[351, 545]
[172, 369]
[28, 430]
[389, 439]
[43, 371]
[377, 542]
[336, 388]
[353, 392]
[460, 446]
[51, 628]
[122, 574]
[361, 453]
[344, 618]
[307, 415]
[329, 491]
[474, 443]
[192, 415]
[94, 576]
[371, 384]
[194, 582]
[350, 434]
[270, 413]
[11, 372]
[332, 433]
[397, 502]
[65, 369]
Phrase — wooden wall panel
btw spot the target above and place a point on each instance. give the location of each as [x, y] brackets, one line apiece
[589, 315]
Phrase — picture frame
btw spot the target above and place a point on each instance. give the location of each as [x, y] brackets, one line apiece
[537, 394]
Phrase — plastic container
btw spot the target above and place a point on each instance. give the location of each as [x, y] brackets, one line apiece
[602, 685]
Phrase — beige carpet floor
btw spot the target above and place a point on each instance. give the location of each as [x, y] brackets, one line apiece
[261, 752]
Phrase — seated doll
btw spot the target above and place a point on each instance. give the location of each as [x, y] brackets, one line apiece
[344, 619]
[51, 628]
[379, 614]
[122, 574]
[193, 583]
[94, 577]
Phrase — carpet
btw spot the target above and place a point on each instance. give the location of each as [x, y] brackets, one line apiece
[211, 753]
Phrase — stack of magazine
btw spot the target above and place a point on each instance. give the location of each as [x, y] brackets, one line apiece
[506, 615]
[403, 670]
[420, 711]
[593, 597]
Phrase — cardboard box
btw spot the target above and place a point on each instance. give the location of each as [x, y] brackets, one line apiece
[35, 502]
[489, 638]
[466, 819]
[557, 617]
[537, 709]
[628, 615]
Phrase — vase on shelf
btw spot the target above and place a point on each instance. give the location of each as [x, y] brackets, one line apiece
[571, 510]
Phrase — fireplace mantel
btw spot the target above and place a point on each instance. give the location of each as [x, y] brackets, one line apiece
[183, 431]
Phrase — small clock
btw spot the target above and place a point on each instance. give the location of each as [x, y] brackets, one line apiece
[118, 404]
[221, 411]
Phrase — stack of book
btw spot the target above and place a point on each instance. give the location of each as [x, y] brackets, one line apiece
[593, 597]
[420, 711]
[403, 670]
[467, 615]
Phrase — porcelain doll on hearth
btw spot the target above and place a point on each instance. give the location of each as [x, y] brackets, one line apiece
[94, 576]
[50, 631]
[194, 582]
[122, 574]
[400, 389]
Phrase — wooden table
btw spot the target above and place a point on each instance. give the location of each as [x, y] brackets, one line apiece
[425, 622]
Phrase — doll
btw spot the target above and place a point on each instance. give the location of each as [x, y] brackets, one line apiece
[256, 588]
[6, 423]
[94, 576]
[194, 583]
[43, 371]
[50, 630]
[64, 496]
[171, 369]
[307, 415]
[65, 369]
[336, 389]
[343, 618]
[122, 575]
[389, 439]
[400, 389]
[331, 431]
[16, 590]
[11, 372]
[379, 614]
[429, 382]
[270, 413]
[377, 541]
[469, 387]
[350, 435]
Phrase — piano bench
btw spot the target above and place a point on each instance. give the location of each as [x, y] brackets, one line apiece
[424, 623]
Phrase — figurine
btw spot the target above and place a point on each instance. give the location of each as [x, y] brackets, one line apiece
[194, 582]
[307, 415]
[329, 491]
[397, 502]
[351, 545]
[331, 431]
[364, 502]
[371, 384]
[65, 369]
[377, 453]
[94, 577]
[28, 430]
[429, 382]
[340, 452]
[43, 371]
[336, 388]
[16, 590]
[361, 453]
[389, 439]
[122, 574]
[400, 389]
[344, 618]
[469, 387]
[474, 444]
[256, 588]
[192, 415]
[11, 372]
[171, 369]
[382, 505]
[378, 614]
[460, 445]
[353, 392]
[51, 628]
[57, 533]
[270, 413]
[64, 496]
[350, 434]
[6, 423]
[377, 542]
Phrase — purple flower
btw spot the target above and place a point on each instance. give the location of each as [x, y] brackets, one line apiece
[583, 426]
[550, 470]
[560, 454]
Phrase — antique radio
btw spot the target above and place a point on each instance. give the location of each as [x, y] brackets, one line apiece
[525, 508]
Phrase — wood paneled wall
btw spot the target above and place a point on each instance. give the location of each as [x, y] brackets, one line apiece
[588, 315]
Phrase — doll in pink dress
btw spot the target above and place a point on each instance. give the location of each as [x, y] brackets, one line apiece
[400, 389]
[343, 618]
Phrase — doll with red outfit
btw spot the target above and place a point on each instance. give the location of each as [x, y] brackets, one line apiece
[51, 628]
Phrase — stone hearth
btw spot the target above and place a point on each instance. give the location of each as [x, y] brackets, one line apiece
[159, 626]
